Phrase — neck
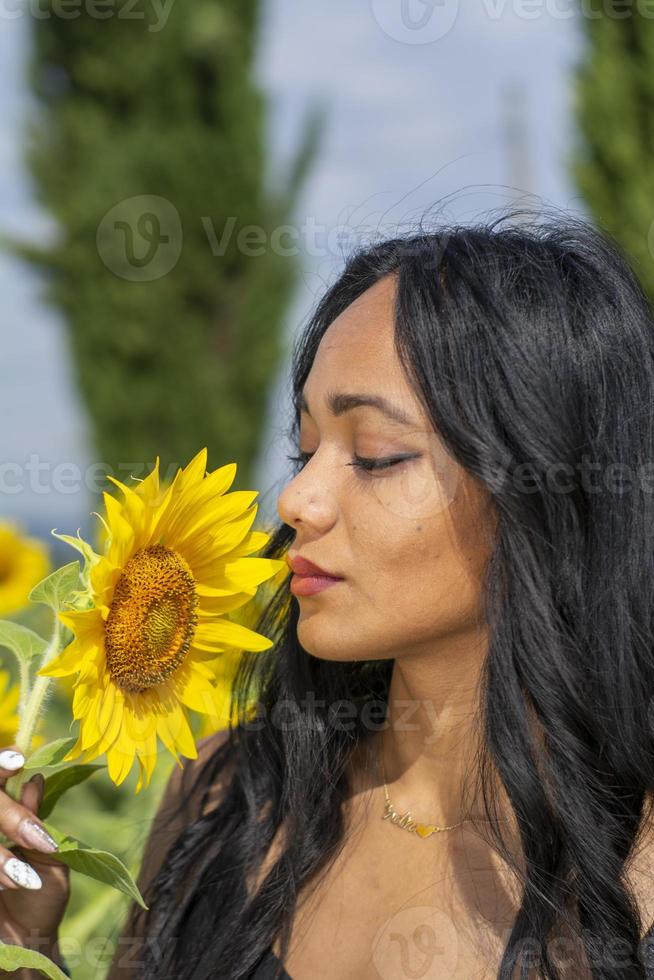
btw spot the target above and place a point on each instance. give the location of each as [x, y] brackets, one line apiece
[431, 735]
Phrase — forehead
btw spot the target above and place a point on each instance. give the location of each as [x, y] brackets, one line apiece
[357, 353]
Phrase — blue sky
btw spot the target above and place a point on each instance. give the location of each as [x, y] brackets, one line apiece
[409, 125]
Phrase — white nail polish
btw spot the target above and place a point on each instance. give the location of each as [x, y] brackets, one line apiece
[9, 759]
[23, 874]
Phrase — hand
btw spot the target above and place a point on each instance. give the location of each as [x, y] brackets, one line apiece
[34, 886]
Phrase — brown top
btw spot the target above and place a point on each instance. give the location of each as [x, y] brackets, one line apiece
[180, 805]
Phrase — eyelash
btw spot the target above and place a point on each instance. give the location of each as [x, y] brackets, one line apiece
[360, 462]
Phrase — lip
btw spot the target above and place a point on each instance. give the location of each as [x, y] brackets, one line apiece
[303, 567]
[305, 585]
[309, 578]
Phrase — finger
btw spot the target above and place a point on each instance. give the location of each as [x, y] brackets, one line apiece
[17, 873]
[11, 761]
[32, 793]
[23, 826]
[39, 859]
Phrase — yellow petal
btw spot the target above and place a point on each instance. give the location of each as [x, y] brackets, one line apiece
[110, 717]
[122, 542]
[245, 573]
[82, 699]
[214, 636]
[140, 722]
[174, 730]
[212, 487]
[195, 690]
[76, 751]
[91, 732]
[226, 508]
[103, 579]
[216, 605]
[146, 754]
[119, 761]
[148, 488]
[194, 471]
[85, 624]
[227, 537]
[255, 541]
[74, 658]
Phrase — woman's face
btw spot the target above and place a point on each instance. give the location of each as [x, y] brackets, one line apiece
[409, 540]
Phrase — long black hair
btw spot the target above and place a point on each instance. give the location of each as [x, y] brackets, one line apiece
[531, 344]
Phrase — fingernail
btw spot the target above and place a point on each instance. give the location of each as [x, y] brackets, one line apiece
[23, 874]
[9, 759]
[36, 836]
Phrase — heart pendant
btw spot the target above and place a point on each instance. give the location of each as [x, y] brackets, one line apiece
[425, 829]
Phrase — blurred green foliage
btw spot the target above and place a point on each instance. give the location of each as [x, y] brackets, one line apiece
[611, 160]
[147, 142]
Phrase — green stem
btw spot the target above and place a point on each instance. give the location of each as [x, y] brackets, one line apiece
[25, 687]
[31, 711]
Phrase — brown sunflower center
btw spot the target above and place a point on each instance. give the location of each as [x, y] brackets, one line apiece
[152, 619]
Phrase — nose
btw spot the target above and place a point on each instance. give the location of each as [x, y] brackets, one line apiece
[306, 500]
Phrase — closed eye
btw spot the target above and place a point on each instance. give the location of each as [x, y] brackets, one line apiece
[360, 462]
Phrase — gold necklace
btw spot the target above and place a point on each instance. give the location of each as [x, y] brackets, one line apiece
[404, 821]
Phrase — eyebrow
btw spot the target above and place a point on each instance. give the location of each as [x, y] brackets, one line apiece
[340, 402]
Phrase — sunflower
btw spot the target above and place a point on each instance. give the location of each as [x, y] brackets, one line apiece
[220, 717]
[23, 562]
[153, 641]
[230, 661]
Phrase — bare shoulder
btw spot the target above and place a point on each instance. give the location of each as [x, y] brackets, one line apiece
[640, 867]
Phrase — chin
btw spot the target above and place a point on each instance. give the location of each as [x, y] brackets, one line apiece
[326, 644]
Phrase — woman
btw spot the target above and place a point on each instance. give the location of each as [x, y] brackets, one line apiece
[474, 432]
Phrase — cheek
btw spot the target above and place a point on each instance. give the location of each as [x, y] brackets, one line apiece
[412, 581]
[423, 580]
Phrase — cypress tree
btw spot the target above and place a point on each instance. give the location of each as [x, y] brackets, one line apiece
[148, 148]
[611, 161]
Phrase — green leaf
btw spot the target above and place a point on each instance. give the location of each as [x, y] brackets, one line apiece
[13, 957]
[56, 589]
[51, 754]
[89, 555]
[25, 643]
[78, 543]
[100, 865]
[61, 781]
